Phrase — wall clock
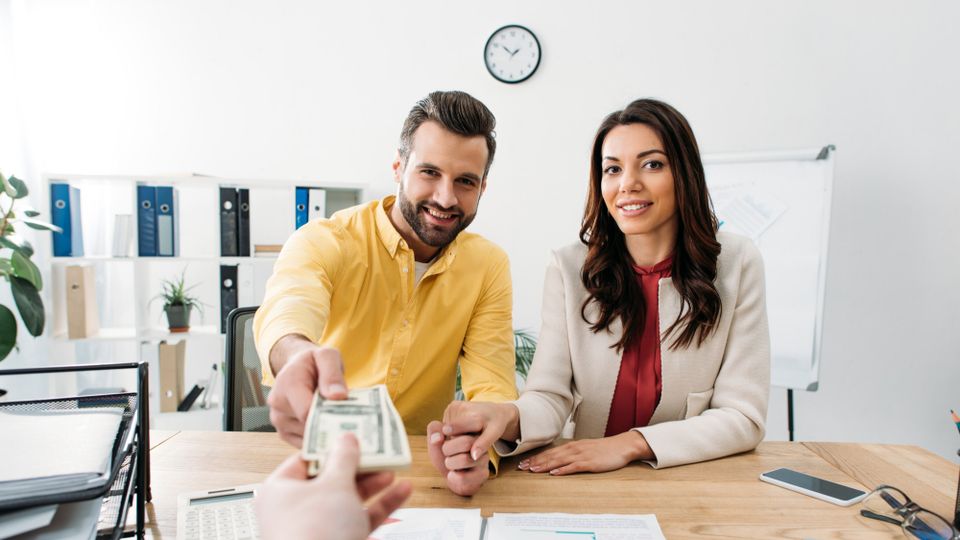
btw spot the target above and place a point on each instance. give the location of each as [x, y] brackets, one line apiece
[512, 54]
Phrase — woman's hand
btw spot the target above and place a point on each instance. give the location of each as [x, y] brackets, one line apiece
[590, 455]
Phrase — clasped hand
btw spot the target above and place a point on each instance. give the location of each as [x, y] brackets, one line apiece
[459, 446]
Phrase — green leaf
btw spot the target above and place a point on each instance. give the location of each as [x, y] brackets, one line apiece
[37, 224]
[29, 304]
[24, 248]
[7, 188]
[31, 213]
[19, 186]
[8, 331]
[23, 267]
[6, 268]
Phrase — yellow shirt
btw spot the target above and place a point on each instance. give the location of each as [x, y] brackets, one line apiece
[348, 282]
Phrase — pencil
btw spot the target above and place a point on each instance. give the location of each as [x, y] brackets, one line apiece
[956, 419]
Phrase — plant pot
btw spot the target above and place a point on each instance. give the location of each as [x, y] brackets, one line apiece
[178, 318]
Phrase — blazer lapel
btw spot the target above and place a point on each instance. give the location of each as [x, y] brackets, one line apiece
[671, 361]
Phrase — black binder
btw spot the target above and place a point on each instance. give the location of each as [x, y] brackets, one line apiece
[228, 222]
[243, 223]
[228, 293]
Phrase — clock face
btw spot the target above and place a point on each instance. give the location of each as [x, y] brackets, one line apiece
[512, 54]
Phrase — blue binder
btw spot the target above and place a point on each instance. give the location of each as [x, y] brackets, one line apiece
[302, 201]
[76, 231]
[65, 213]
[147, 221]
[166, 221]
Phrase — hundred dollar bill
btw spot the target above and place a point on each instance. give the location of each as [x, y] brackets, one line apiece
[369, 414]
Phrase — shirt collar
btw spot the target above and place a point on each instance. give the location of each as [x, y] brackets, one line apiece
[392, 240]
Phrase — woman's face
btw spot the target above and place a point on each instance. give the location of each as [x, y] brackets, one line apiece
[637, 184]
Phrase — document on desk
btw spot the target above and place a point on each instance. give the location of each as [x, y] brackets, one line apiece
[369, 414]
[431, 524]
[566, 526]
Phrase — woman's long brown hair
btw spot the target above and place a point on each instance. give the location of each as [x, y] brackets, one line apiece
[607, 272]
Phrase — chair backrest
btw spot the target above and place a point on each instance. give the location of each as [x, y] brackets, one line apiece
[245, 397]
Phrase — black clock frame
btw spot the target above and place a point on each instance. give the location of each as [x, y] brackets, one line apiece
[535, 40]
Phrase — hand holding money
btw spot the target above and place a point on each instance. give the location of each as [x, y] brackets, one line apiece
[369, 414]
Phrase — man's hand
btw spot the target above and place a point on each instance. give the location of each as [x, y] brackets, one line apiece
[329, 506]
[459, 446]
[590, 455]
[464, 475]
[306, 366]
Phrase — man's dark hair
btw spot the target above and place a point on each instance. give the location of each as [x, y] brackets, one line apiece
[458, 112]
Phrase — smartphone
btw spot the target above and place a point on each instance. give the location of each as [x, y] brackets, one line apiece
[817, 488]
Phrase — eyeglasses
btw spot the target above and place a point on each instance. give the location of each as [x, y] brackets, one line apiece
[887, 503]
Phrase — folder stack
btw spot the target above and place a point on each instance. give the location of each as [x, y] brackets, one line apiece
[65, 213]
[234, 222]
[310, 204]
[157, 217]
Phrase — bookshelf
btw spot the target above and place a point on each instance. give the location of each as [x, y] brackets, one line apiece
[126, 285]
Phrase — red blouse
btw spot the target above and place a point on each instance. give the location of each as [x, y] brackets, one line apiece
[638, 384]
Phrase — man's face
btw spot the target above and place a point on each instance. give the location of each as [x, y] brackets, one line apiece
[440, 183]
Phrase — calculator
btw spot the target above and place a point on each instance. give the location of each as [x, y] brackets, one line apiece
[220, 514]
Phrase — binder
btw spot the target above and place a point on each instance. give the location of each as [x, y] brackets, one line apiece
[76, 232]
[82, 318]
[318, 204]
[146, 221]
[122, 225]
[243, 222]
[228, 293]
[245, 286]
[171, 360]
[65, 213]
[300, 206]
[228, 222]
[191, 397]
[166, 221]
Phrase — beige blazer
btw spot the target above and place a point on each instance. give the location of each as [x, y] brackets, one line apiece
[714, 396]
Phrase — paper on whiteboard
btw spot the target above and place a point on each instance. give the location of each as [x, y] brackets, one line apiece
[749, 214]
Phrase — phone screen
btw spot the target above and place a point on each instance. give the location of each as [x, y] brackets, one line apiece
[812, 483]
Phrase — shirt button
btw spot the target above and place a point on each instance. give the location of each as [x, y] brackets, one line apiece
[394, 372]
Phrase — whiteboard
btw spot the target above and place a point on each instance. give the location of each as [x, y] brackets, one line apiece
[781, 200]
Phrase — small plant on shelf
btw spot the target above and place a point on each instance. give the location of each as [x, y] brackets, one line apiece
[16, 266]
[178, 303]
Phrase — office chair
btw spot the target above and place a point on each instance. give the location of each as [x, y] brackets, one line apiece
[245, 397]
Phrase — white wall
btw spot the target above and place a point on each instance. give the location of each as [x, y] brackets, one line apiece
[299, 90]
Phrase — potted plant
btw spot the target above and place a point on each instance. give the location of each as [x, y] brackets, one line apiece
[16, 266]
[524, 346]
[178, 303]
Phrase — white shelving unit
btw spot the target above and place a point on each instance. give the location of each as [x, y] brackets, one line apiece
[131, 318]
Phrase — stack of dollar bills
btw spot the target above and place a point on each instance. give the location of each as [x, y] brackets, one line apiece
[369, 414]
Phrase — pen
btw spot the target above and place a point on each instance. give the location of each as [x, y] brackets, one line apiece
[956, 419]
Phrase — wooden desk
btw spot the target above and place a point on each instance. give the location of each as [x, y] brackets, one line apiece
[721, 498]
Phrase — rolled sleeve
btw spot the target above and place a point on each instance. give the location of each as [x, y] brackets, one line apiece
[487, 360]
[547, 399]
[297, 298]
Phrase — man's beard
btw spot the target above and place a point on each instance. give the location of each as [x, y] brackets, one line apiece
[428, 234]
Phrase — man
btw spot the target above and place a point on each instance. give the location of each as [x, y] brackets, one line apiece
[394, 292]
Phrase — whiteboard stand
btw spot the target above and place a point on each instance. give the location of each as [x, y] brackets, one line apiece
[781, 201]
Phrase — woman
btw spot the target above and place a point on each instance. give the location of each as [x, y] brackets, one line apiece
[654, 331]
